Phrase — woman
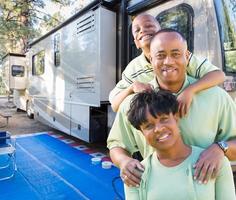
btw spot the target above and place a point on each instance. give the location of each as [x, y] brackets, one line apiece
[169, 170]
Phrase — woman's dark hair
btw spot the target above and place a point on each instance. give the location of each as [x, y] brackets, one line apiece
[154, 102]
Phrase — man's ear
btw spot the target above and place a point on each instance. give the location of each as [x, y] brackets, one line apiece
[136, 44]
[150, 58]
[187, 54]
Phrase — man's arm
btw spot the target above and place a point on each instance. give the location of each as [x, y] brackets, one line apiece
[224, 182]
[231, 152]
[128, 166]
[210, 160]
[123, 142]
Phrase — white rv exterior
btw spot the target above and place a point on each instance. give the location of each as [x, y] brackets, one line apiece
[73, 70]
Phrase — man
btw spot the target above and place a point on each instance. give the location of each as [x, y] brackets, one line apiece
[211, 117]
[139, 71]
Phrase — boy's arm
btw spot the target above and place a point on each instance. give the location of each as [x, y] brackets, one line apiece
[133, 88]
[211, 79]
[208, 75]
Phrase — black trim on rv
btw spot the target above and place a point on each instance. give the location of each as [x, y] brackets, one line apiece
[13, 54]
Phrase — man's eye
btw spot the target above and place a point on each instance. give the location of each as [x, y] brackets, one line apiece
[176, 55]
[160, 56]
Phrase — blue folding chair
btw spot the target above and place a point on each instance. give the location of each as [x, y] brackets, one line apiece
[7, 156]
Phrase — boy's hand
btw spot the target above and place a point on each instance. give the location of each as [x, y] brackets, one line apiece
[139, 87]
[131, 172]
[185, 100]
[208, 164]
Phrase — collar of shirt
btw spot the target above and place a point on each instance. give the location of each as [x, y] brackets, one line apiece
[188, 80]
[144, 61]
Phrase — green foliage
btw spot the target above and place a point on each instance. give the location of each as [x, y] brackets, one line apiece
[19, 22]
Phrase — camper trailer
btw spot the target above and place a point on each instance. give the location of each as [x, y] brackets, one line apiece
[14, 73]
[73, 67]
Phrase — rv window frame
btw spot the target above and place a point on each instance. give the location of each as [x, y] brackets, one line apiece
[33, 64]
[190, 24]
[222, 42]
[15, 75]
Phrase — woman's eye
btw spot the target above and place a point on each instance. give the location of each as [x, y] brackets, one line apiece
[148, 126]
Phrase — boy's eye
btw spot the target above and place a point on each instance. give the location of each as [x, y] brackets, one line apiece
[136, 30]
[164, 119]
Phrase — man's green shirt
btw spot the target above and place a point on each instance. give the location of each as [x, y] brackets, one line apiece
[211, 118]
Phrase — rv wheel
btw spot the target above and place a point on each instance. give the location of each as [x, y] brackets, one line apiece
[29, 112]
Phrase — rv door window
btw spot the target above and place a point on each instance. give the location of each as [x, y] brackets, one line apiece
[226, 14]
[179, 18]
[17, 70]
[57, 49]
[38, 63]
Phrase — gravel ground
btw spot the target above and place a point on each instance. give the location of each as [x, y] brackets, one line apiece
[19, 123]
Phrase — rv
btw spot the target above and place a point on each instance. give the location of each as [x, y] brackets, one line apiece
[14, 74]
[73, 67]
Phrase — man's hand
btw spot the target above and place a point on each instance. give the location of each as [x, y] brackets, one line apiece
[208, 164]
[139, 87]
[185, 100]
[131, 172]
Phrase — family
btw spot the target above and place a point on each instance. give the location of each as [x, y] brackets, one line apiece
[170, 109]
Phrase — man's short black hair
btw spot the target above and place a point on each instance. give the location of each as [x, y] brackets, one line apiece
[154, 102]
[170, 30]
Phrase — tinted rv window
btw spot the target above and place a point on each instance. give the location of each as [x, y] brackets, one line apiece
[57, 50]
[17, 70]
[38, 63]
[226, 14]
[179, 18]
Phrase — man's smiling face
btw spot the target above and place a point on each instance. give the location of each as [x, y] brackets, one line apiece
[169, 58]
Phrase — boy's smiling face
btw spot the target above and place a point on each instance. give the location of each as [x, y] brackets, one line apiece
[144, 28]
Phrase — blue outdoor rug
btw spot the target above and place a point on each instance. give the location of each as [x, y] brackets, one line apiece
[49, 169]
